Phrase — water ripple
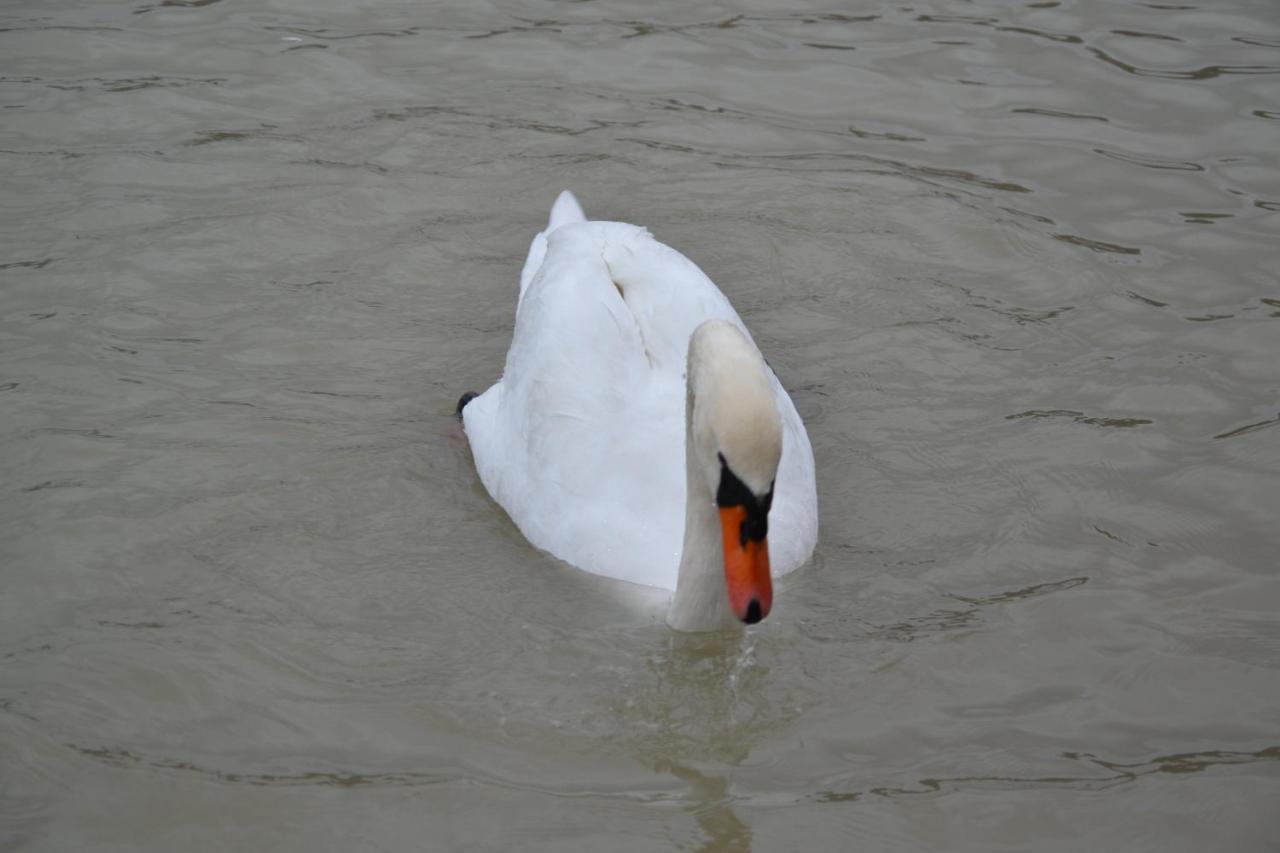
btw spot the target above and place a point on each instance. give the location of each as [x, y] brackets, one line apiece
[1079, 417]
[1117, 773]
[1207, 72]
[1151, 162]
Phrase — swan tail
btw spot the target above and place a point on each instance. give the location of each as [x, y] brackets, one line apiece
[565, 211]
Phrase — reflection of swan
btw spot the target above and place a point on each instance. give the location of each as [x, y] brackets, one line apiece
[581, 441]
[706, 707]
[711, 806]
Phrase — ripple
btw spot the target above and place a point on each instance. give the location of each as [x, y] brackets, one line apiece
[332, 35]
[777, 161]
[332, 778]
[1207, 72]
[939, 620]
[1151, 162]
[1248, 428]
[64, 27]
[1201, 218]
[994, 23]
[1080, 418]
[1139, 34]
[1025, 592]
[887, 135]
[209, 137]
[1117, 773]
[1155, 303]
[1041, 111]
[1097, 245]
[1256, 42]
[33, 265]
[52, 484]
[118, 84]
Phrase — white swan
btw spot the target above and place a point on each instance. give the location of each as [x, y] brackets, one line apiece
[592, 439]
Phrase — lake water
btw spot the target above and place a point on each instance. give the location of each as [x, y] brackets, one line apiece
[1017, 264]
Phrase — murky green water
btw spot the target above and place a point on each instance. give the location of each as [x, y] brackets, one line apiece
[1016, 263]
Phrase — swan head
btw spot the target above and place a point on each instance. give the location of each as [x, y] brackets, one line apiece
[735, 442]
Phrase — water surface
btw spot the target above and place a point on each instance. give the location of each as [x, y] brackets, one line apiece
[1017, 265]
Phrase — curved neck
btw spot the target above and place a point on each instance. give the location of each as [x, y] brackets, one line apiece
[701, 601]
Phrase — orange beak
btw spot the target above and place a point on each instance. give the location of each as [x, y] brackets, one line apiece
[746, 568]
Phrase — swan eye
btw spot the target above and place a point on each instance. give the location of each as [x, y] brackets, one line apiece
[733, 492]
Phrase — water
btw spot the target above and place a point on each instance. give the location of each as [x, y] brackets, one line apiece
[1017, 265]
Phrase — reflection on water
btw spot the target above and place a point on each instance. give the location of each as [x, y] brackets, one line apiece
[1016, 264]
[701, 715]
[710, 805]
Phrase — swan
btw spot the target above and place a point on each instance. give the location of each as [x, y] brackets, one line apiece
[636, 431]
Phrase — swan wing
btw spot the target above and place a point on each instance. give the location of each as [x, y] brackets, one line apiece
[582, 440]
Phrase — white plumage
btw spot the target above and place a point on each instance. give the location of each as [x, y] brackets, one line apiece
[582, 441]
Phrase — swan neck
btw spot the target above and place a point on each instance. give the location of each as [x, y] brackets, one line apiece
[701, 601]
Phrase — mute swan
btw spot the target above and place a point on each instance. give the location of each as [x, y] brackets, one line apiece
[584, 438]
